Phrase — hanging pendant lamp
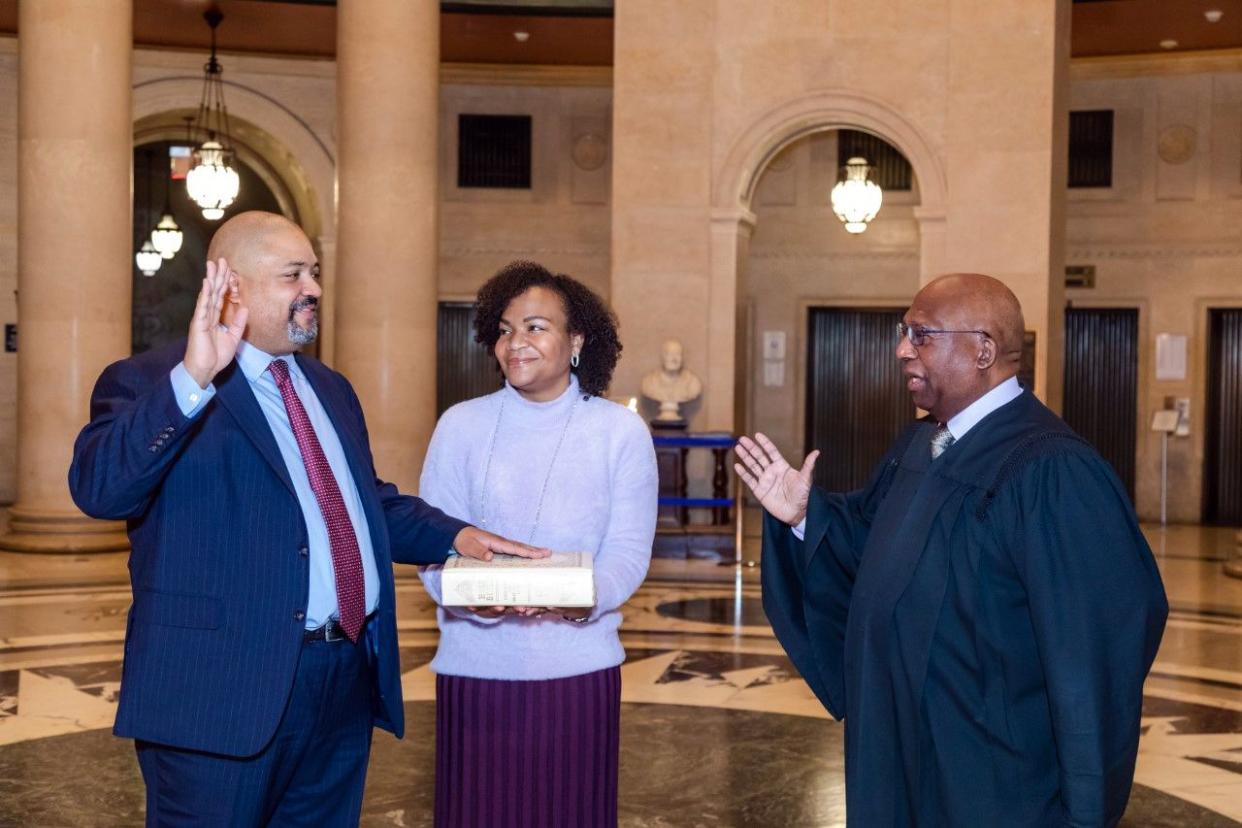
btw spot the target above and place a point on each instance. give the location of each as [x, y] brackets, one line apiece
[148, 259]
[855, 200]
[213, 182]
[167, 236]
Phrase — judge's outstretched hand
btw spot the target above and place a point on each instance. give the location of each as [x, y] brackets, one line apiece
[781, 489]
[217, 326]
[475, 543]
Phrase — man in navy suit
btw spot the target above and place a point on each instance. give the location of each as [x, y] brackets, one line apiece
[261, 648]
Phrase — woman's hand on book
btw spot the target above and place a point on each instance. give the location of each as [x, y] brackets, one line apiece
[489, 612]
[566, 613]
[497, 612]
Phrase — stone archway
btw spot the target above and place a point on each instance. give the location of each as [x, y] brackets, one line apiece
[733, 191]
[795, 119]
[297, 163]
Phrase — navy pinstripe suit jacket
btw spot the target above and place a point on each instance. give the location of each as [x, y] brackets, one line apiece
[218, 565]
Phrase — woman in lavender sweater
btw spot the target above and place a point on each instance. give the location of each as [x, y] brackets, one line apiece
[528, 700]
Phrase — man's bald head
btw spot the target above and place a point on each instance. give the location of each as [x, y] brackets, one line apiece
[973, 301]
[245, 237]
[968, 328]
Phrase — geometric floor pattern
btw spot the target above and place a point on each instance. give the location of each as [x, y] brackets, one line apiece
[717, 727]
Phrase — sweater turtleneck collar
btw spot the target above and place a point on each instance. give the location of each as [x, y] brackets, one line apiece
[530, 412]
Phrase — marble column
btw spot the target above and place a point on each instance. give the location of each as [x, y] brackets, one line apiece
[1005, 154]
[388, 63]
[74, 255]
[670, 274]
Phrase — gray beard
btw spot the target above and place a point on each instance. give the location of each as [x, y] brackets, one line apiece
[300, 336]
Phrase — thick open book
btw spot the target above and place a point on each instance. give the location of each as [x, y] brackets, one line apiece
[566, 579]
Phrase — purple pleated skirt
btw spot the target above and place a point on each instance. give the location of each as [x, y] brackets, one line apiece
[528, 754]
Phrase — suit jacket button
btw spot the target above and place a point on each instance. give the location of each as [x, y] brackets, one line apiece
[303, 551]
[153, 449]
[299, 616]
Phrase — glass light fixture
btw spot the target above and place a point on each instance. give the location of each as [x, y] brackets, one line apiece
[855, 200]
[167, 236]
[148, 259]
[213, 182]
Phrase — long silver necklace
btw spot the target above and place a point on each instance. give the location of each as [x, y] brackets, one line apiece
[491, 450]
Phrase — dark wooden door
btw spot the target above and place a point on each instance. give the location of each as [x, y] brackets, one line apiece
[856, 399]
[464, 368]
[1222, 451]
[1101, 383]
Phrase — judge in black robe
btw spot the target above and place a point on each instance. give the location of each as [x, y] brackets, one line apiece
[982, 621]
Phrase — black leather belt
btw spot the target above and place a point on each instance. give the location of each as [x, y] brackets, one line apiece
[333, 631]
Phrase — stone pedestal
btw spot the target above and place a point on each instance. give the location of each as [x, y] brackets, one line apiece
[74, 254]
[388, 85]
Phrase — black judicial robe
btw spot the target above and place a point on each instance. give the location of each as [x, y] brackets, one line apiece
[983, 623]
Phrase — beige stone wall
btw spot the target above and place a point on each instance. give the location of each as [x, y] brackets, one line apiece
[1165, 237]
[706, 92]
[562, 222]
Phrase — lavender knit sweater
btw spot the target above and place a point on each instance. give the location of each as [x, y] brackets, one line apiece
[601, 499]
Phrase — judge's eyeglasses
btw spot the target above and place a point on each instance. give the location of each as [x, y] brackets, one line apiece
[918, 335]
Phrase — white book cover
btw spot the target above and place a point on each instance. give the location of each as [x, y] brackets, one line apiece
[565, 579]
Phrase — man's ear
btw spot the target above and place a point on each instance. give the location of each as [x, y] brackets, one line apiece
[987, 353]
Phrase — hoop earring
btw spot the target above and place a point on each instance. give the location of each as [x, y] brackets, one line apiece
[573, 360]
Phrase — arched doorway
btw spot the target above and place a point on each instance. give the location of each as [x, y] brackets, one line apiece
[163, 303]
[737, 220]
[833, 298]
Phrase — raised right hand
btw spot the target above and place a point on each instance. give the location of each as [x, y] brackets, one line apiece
[217, 325]
[781, 489]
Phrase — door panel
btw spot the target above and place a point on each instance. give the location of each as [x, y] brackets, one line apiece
[1222, 460]
[1101, 383]
[856, 400]
[464, 368]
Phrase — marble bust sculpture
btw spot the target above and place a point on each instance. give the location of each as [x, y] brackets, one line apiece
[671, 385]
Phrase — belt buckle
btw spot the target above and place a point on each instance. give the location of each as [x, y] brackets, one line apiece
[332, 631]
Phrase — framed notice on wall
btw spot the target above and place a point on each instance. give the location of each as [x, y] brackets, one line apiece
[1170, 356]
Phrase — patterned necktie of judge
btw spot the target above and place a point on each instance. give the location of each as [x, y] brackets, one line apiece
[346, 558]
[940, 441]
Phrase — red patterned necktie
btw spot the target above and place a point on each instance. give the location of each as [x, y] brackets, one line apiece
[346, 559]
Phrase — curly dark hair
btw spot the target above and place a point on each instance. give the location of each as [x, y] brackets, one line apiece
[587, 314]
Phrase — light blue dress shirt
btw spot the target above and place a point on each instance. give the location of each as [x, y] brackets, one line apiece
[321, 604]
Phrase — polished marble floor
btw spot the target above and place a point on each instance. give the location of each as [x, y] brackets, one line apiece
[718, 730]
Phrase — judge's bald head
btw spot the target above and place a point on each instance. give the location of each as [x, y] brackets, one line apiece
[278, 278]
[966, 333]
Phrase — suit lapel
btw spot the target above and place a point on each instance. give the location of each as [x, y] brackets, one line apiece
[234, 393]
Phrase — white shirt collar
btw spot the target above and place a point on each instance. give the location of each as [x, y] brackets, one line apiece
[969, 417]
[253, 361]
